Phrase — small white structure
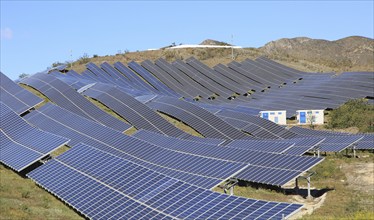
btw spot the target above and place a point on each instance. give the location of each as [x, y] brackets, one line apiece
[278, 117]
[315, 117]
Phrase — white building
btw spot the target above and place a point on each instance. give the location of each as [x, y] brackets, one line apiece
[315, 117]
[278, 117]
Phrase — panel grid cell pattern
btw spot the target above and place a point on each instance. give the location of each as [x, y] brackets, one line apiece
[105, 187]
[202, 171]
[15, 97]
[22, 144]
[66, 97]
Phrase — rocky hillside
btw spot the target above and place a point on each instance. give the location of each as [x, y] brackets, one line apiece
[347, 54]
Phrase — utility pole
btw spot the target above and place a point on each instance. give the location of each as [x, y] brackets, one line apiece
[232, 47]
[71, 59]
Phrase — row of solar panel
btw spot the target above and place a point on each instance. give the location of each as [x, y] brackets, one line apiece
[105, 186]
[21, 144]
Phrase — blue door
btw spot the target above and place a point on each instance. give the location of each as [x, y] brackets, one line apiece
[265, 115]
[276, 119]
[302, 118]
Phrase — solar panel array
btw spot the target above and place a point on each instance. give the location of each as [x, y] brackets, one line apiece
[201, 120]
[255, 125]
[198, 170]
[278, 165]
[132, 191]
[66, 97]
[15, 97]
[135, 112]
[21, 144]
[337, 141]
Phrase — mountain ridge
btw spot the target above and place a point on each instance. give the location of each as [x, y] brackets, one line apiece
[353, 53]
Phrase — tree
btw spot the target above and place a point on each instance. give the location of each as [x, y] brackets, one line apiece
[311, 119]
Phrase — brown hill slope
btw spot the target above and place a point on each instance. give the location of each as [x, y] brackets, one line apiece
[347, 54]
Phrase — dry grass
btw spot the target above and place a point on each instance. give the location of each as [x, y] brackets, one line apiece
[37, 93]
[130, 131]
[180, 125]
[20, 198]
[345, 200]
[60, 151]
[107, 110]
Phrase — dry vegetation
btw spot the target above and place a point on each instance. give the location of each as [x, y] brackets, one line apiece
[343, 188]
[313, 55]
[21, 198]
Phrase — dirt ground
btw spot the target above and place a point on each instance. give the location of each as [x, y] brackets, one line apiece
[360, 177]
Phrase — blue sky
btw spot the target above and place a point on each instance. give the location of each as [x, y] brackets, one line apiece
[35, 34]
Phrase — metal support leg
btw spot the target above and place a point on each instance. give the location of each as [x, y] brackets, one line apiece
[318, 153]
[232, 191]
[354, 151]
[297, 186]
[309, 195]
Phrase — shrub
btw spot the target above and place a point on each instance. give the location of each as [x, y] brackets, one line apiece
[26, 194]
[354, 113]
[84, 59]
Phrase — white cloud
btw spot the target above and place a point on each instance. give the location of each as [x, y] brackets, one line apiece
[6, 34]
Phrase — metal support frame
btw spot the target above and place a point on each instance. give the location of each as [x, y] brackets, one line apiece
[310, 174]
[229, 185]
[316, 150]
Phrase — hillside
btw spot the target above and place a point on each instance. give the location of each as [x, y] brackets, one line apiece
[347, 54]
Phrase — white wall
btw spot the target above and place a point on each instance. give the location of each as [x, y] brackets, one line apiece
[305, 116]
[278, 117]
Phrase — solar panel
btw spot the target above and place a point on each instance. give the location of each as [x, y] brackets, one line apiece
[22, 144]
[162, 88]
[255, 125]
[190, 85]
[367, 142]
[15, 97]
[134, 78]
[337, 141]
[106, 186]
[191, 168]
[291, 165]
[66, 97]
[201, 120]
[135, 112]
[211, 75]
[257, 145]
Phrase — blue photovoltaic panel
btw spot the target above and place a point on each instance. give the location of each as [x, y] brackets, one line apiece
[15, 97]
[66, 97]
[367, 142]
[22, 144]
[258, 145]
[135, 112]
[202, 171]
[337, 144]
[275, 165]
[198, 118]
[15, 155]
[105, 186]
